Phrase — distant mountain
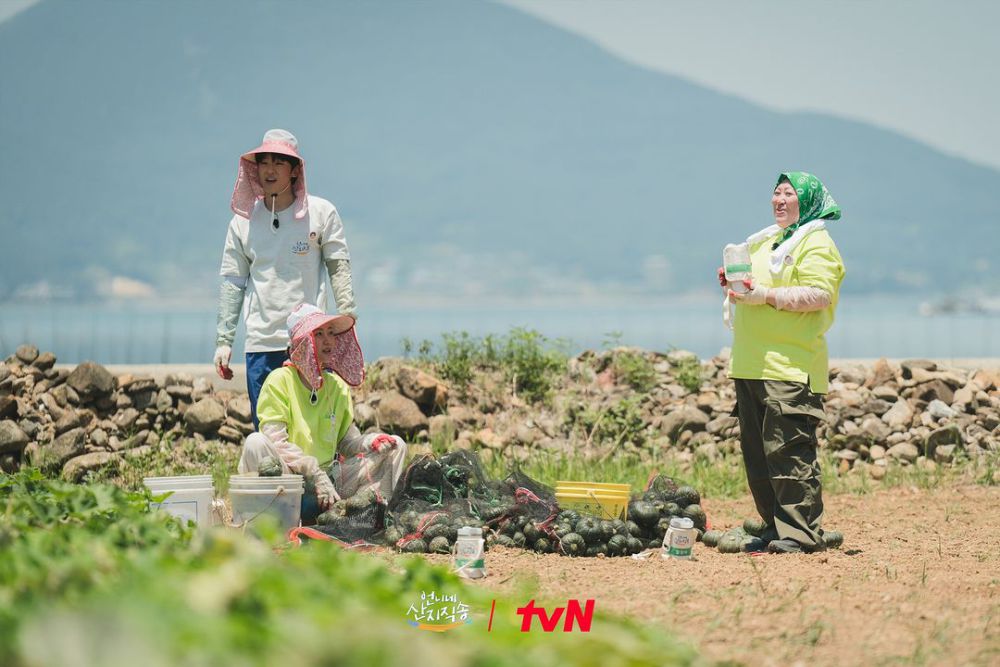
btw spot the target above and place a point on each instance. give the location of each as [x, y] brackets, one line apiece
[471, 149]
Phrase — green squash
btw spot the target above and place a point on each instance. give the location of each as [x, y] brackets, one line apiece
[441, 530]
[410, 520]
[833, 538]
[269, 467]
[617, 545]
[607, 530]
[619, 527]
[439, 545]
[493, 512]
[633, 529]
[697, 515]
[635, 545]
[519, 539]
[542, 545]
[568, 516]
[594, 549]
[563, 529]
[686, 495]
[531, 532]
[754, 526]
[504, 541]
[644, 513]
[573, 544]
[589, 529]
[730, 543]
[672, 509]
[711, 538]
[392, 535]
[429, 519]
[416, 546]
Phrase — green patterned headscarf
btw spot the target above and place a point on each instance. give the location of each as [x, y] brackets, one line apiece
[815, 201]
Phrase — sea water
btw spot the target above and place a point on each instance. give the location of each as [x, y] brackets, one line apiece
[865, 327]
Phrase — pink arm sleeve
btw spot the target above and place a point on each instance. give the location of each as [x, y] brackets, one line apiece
[800, 299]
[277, 432]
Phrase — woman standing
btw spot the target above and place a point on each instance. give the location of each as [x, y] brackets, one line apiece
[779, 360]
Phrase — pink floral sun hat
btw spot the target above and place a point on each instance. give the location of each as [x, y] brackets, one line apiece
[346, 359]
[247, 190]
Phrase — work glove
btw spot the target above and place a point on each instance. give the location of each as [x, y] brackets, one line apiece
[382, 442]
[326, 495]
[223, 353]
[754, 296]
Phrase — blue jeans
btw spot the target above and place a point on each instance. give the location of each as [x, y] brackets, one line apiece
[259, 364]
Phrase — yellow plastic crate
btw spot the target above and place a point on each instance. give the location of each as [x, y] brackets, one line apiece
[607, 501]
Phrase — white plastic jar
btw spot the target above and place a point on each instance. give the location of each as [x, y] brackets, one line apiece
[469, 547]
[680, 538]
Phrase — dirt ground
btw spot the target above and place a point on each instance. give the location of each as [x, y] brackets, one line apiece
[917, 581]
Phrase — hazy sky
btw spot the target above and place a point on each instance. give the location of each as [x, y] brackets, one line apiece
[926, 68]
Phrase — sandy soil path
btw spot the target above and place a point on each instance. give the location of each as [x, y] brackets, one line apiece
[916, 582]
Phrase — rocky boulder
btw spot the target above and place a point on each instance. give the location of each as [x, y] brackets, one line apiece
[8, 407]
[70, 444]
[239, 408]
[205, 416]
[400, 415]
[684, 419]
[26, 354]
[13, 440]
[899, 415]
[77, 468]
[91, 381]
[948, 435]
[44, 361]
[422, 388]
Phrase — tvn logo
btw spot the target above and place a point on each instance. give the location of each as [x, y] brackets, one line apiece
[572, 612]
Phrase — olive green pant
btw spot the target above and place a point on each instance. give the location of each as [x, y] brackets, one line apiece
[778, 437]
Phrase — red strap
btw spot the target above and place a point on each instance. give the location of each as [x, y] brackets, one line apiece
[295, 535]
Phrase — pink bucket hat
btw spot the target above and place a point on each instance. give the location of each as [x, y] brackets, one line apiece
[346, 359]
[247, 190]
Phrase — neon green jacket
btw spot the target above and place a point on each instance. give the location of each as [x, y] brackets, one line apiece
[771, 344]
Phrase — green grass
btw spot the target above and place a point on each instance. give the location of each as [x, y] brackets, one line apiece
[531, 363]
[716, 480]
[725, 477]
[634, 369]
[689, 374]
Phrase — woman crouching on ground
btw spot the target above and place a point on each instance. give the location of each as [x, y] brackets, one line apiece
[306, 417]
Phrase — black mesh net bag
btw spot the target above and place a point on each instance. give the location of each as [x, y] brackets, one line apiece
[357, 525]
[531, 497]
[663, 499]
[436, 497]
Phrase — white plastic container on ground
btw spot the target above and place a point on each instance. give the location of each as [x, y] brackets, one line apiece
[252, 497]
[190, 497]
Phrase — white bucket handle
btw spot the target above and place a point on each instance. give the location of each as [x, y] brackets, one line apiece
[280, 491]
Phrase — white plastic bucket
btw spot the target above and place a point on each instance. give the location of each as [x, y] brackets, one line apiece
[280, 497]
[190, 496]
